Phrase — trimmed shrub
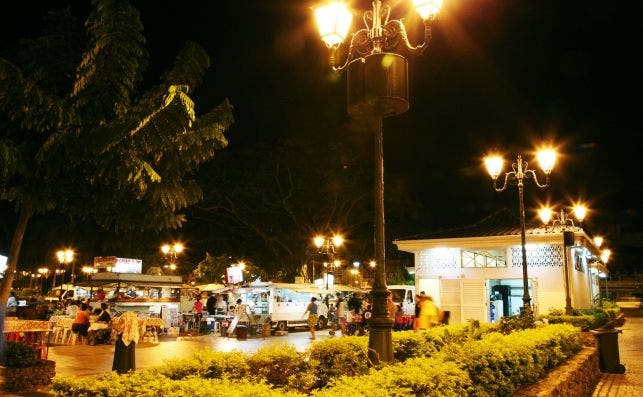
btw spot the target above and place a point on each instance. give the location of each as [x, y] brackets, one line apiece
[416, 377]
[144, 383]
[206, 364]
[276, 363]
[498, 364]
[336, 357]
[18, 355]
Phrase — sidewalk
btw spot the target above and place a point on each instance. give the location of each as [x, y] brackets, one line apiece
[629, 384]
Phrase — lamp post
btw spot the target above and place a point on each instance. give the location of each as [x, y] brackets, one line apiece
[605, 257]
[566, 224]
[519, 174]
[327, 246]
[89, 270]
[377, 80]
[43, 272]
[171, 253]
[67, 256]
[56, 273]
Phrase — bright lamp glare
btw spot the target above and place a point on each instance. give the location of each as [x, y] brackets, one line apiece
[338, 240]
[598, 241]
[165, 249]
[372, 263]
[545, 214]
[546, 159]
[580, 211]
[494, 165]
[333, 22]
[605, 255]
[61, 256]
[178, 248]
[319, 241]
[427, 8]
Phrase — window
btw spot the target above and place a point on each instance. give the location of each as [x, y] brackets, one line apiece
[484, 258]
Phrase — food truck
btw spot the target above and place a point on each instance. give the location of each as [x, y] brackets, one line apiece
[284, 304]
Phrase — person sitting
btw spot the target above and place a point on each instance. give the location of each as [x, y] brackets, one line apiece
[104, 316]
[81, 323]
[72, 309]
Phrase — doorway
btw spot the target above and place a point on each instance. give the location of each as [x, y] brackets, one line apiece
[505, 298]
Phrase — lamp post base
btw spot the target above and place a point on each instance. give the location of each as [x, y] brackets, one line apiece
[380, 339]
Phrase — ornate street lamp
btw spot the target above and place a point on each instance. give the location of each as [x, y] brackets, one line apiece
[43, 272]
[565, 223]
[67, 256]
[171, 253]
[377, 79]
[519, 174]
[328, 246]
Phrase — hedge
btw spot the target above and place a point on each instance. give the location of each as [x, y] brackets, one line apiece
[455, 360]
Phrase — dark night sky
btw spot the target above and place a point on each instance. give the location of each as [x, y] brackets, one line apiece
[499, 74]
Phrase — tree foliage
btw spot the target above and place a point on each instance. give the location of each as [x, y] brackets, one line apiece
[79, 135]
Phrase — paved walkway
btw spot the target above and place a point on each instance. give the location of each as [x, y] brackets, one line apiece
[629, 384]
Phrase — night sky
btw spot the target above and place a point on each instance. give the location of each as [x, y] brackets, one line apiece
[504, 74]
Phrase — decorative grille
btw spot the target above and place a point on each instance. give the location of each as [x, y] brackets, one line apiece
[538, 256]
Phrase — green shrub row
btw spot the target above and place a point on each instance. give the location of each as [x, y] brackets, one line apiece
[584, 322]
[447, 359]
[495, 365]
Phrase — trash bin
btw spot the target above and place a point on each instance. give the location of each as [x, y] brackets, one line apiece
[608, 355]
[242, 332]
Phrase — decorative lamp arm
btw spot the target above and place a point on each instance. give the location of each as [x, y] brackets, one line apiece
[511, 174]
[396, 27]
[535, 177]
[359, 39]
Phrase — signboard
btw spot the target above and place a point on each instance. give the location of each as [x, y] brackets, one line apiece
[104, 262]
[119, 265]
[3, 264]
[234, 275]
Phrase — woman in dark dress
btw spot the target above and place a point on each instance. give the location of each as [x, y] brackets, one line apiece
[128, 335]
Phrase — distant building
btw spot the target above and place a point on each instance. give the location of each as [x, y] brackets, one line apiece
[475, 271]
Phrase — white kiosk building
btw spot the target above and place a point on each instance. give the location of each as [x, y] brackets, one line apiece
[475, 271]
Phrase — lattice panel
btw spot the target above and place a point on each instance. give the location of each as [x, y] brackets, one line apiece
[538, 256]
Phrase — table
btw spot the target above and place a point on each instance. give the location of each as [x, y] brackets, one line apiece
[30, 332]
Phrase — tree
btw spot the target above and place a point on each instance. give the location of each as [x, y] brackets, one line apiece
[79, 138]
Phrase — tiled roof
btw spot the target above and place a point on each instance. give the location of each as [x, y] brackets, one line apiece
[500, 223]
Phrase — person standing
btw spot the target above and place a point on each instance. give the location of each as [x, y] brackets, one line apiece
[429, 313]
[128, 335]
[211, 304]
[341, 315]
[312, 316]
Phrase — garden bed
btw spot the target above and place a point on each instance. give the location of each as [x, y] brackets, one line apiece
[27, 378]
[444, 361]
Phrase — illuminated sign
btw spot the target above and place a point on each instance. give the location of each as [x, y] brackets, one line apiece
[119, 265]
[234, 275]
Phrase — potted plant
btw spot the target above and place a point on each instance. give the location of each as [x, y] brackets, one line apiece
[22, 370]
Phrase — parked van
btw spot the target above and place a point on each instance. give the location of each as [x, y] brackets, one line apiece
[404, 295]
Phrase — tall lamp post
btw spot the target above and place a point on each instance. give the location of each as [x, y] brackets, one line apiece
[605, 257]
[67, 256]
[43, 273]
[566, 224]
[171, 253]
[377, 81]
[519, 174]
[328, 246]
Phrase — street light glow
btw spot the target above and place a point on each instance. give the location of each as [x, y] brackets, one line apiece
[605, 255]
[372, 263]
[494, 165]
[598, 241]
[333, 22]
[165, 249]
[338, 240]
[427, 8]
[580, 211]
[319, 241]
[178, 248]
[546, 159]
[545, 214]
